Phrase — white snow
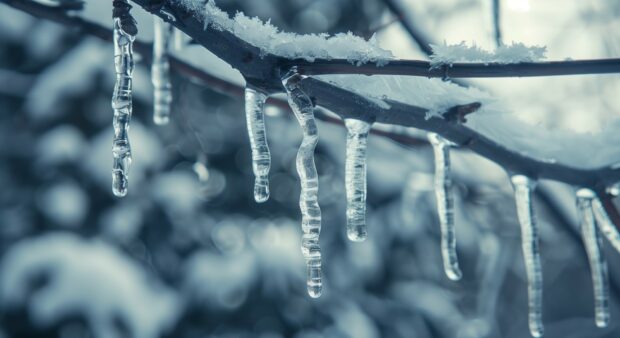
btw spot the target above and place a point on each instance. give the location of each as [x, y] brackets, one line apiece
[514, 53]
[88, 277]
[66, 203]
[433, 94]
[290, 45]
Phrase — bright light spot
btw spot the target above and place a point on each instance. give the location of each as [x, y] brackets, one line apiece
[519, 5]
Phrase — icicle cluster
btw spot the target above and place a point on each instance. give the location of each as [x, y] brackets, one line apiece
[160, 72]
[303, 108]
[445, 205]
[355, 178]
[121, 99]
[523, 187]
[598, 265]
[261, 158]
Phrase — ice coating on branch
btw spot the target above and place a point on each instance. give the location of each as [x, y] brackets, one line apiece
[355, 178]
[523, 187]
[290, 45]
[261, 158]
[160, 72]
[303, 108]
[122, 105]
[605, 224]
[598, 265]
[514, 53]
[445, 205]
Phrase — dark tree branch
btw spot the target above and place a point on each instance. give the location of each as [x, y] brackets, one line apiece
[497, 29]
[264, 73]
[459, 70]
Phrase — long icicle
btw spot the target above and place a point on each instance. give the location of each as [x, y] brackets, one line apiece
[605, 224]
[261, 158]
[445, 205]
[598, 265]
[303, 108]
[355, 178]
[124, 36]
[523, 187]
[160, 72]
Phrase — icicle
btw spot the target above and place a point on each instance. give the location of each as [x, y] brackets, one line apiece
[605, 224]
[355, 178]
[261, 158]
[598, 266]
[179, 39]
[121, 99]
[303, 108]
[160, 72]
[523, 187]
[445, 205]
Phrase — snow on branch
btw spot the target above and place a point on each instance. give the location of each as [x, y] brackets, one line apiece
[516, 52]
[271, 40]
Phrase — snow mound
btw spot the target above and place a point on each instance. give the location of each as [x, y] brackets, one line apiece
[514, 53]
[87, 277]
[271, 40]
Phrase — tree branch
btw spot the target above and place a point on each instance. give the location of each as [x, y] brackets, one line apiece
[263, 72]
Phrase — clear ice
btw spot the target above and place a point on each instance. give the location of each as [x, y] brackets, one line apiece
[598, 265]
[160, 72]
[605, 225]
[523, 187]
[355, 178]
[122, 105]
[303, 108]
[445, 205]
[261, 158]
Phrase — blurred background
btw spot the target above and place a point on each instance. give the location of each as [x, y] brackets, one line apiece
[188, 253]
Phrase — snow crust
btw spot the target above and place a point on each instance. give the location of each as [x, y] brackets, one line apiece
[514, 53]
[87, 277]
[271, 40]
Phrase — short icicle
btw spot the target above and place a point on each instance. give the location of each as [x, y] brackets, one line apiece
[160, 72]
[355, 178]
[523, 187]
[261, 158]
[303, 108]
[445, 205]
[124, 36]
[605, 224]
[598, 265]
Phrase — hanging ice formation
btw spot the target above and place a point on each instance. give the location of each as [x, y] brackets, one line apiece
[445, 205]
[303, 108]
[606, 226]
[124, 35]
[179, 39]
[598, 266]
[355, 178]
[261, 158]
[523, 187]
[160, 72]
